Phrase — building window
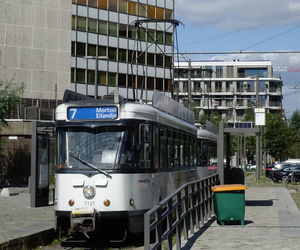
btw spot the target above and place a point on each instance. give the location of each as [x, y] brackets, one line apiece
[112, 29]
[140, 82]
[141, 58]
[92, 26]
[81, 23]
[72, 74]
[101, 77]
[132, 8]
[112, 53]
[159, 13]
[102, 50]
[159, 37]
[123, 6]
[73, 22]
[142, 9]
[91, 76]
[150, 83]
[73, 46]
[80, 75]
[168, 14]
[159, 60]
[159, 84]
[102, 27]
[112, 79]
[132, 32]
[218, 86]
[91, 50]
[151, 11]
[80, 49]
[83, 2]
[141, 35]
[131, 56]
[168, 84]
[122, 80]
[122, 55]
[150, 36]
[113, 5]
[150, 59]
[92, 3]
[169, 38]
[219, 71]
[122, 30]
[168, 62]
[102, 4]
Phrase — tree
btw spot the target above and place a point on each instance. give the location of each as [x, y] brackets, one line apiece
[278, 137]
[10, 96]
[294, 122]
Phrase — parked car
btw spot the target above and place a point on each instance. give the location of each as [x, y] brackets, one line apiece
[269, 170]
[248, 166]
[253, 167]
[282, 169]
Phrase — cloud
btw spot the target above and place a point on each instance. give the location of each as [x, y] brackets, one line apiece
[236, 14]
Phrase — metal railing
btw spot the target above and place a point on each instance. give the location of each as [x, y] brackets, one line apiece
[191, 204]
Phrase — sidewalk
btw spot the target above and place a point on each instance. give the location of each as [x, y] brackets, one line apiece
[272, 221]
[19, 220]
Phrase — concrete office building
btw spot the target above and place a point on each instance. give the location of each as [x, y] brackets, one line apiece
[113, 38]
[228, 87]
[35, 49]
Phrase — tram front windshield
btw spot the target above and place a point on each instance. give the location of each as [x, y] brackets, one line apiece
[102, 147]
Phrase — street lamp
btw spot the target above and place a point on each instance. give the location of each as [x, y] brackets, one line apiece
[96, 70]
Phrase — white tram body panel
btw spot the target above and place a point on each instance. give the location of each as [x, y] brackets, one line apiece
[97, 180]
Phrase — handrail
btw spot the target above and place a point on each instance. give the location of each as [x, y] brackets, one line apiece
[192, 204]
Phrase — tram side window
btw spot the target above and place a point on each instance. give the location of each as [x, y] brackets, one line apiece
[145, 146]
[199, 153]
[163, 148]
[156, 148]
[204, 152]
[186, 155]
[176, 149]
[181, 151]
[170, 149]
[195, 151]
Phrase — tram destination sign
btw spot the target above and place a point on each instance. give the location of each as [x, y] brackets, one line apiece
[93, 113]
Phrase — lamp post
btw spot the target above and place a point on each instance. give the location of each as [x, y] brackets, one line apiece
[96, 70]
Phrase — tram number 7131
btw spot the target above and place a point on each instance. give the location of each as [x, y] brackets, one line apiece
[89, 203]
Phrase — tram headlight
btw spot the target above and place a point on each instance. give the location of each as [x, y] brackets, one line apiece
[89, 192]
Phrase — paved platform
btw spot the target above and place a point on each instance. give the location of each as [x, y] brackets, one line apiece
[19, 220]
[272, 221]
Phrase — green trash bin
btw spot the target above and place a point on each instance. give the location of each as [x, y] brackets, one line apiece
[229, 202]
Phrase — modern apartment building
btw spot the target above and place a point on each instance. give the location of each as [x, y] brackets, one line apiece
[114, 39]
[229, 87]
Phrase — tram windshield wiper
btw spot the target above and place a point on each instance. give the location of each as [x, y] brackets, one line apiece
[91, 166]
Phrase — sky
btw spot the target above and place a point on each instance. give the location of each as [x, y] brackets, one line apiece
[244, 26]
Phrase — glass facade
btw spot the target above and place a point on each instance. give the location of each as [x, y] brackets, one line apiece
[114, 21]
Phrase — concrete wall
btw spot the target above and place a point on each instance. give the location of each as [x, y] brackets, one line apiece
[35, 45]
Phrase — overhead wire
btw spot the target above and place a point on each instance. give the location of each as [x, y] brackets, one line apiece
[241, 30]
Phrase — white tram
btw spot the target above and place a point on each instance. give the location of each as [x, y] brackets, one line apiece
[118, 159]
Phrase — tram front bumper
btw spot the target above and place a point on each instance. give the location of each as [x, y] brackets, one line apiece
[83, 220]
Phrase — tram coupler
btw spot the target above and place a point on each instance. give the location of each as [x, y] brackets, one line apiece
[83, 220]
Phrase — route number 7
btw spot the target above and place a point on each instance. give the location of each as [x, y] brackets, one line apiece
[74, 112]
